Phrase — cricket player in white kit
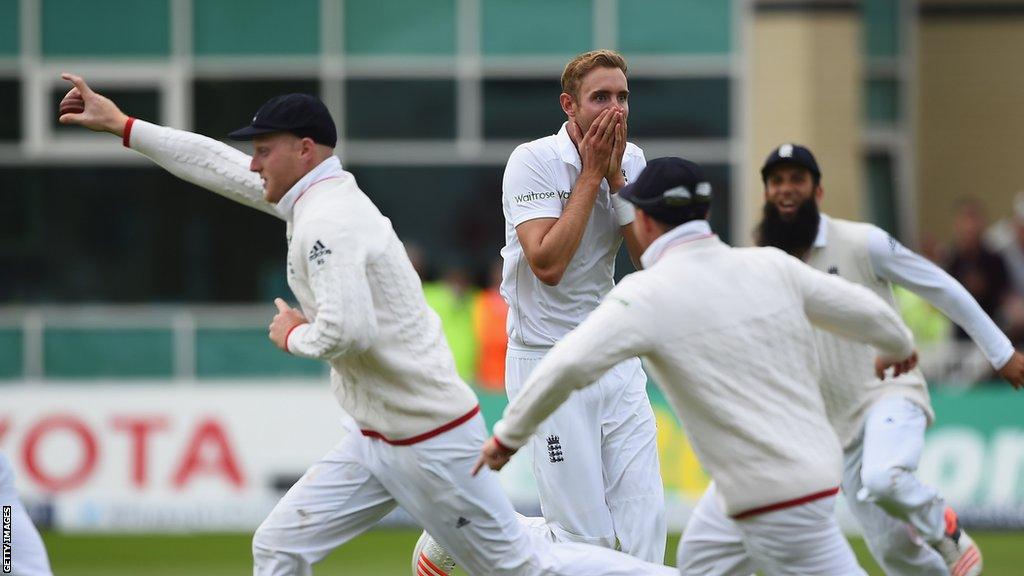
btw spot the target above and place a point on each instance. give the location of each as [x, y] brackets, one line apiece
[727, 334]
[415, 426]
[28, 554]
[907, 525]
[595, 459]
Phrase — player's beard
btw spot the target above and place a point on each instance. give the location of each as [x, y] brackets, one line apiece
[796, 235]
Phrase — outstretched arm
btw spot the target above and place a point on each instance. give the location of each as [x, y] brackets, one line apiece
[197, 159]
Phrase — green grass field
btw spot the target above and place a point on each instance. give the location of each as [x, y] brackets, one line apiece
[378, 553]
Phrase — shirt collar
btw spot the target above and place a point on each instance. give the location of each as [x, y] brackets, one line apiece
[566, 149]
[329, 168]
[821, 240]
[692, 230]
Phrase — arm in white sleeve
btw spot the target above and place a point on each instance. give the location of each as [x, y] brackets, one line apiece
[608, 336]
[851, 311]
[202, 161]
[345, 320]
[894, 262]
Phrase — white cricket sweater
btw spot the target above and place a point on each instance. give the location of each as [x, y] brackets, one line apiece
[727, 334]
[391, 368]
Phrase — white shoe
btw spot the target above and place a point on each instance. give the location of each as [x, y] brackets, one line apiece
[961, 554]
[430, 559]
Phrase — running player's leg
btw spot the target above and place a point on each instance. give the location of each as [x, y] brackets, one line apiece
[337, 499]
[28, 555]
[802, 539]
[712, 543]
[632, 475]
[472, 518]
[894, 543]
[567, 461]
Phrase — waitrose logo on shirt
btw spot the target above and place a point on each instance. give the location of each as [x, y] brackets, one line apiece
[534, 196]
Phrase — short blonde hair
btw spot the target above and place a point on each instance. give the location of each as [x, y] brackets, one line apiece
[581, 65]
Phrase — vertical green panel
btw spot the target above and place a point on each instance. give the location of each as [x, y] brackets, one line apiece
[72, 28]
[560, 27]
[882, 27]
[881, 173]
[675, 26]
[242, 27]
[9, 36]
[11, 350]
[420, 27]
[86, 353]
[883, 102]
[246, 352]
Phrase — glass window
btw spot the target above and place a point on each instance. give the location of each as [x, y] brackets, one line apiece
[141, 103]
[129, 28]
[882, 27]
[402, 109]
[96, 352]
[675, 26]
[522, 109]
[883, 102]
[244, 27]
[683, 108]
[222, 106]
[11, 343]
[9, 35]
[234, 352]
[385, 27]
[537, 27]
[881, 172]
[10, 103]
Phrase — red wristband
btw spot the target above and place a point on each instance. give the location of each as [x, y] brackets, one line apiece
[286, 336]
[126, 137]
[503, 447]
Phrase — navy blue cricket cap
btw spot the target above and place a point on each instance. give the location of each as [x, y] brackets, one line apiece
[299, 114]
[670, 189]
[790, 154]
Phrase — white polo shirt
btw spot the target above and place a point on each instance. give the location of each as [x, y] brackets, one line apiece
[539, 179]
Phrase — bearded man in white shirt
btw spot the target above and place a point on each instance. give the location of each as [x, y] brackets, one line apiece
[414, 426]
[907, 525]
[728, 335]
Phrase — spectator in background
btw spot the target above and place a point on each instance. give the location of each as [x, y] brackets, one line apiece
[974, 265]
[452, 298]
[1011, 247]
[930, 326]
[489, 315]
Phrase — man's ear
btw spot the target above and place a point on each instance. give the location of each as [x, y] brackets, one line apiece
[819, 193]
[568, 104]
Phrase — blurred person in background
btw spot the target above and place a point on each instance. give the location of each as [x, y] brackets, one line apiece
[413, 427]
[452, 297]
[1008, 240]
[974, 265]
[490, 314]
[907, 525]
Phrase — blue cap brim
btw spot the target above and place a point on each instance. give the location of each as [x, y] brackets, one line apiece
[626, 193]
[250, 132]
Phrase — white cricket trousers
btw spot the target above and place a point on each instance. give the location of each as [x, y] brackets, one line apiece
[596, 461]
[362, 479]
[801, 540]
[28, 555]
[898, 514]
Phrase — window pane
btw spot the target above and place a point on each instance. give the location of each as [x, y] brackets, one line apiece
[675, 26]
[377, 109]
[72, 28]
[522, 109]
[234, 27]
[141, 103]
[452, 213]
[400, 27]
[686, 108]
[883, 102]
[96, 352]
[224, 353]
[9, 36]
[882, 192]
[11, 343]
[536, 27]
[882, 27]
[10, 103]
[222, 106]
